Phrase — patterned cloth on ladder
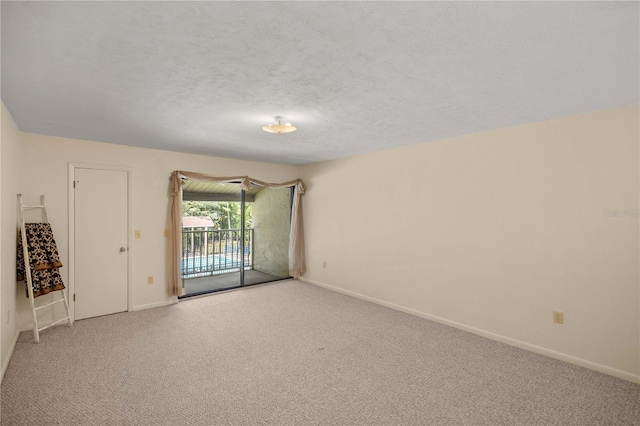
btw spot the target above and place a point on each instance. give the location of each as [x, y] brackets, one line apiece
[44, 260]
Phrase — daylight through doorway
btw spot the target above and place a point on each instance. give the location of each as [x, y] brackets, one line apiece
[233, 238]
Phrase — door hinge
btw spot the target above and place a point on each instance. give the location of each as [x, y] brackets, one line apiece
[74, 297]
[74, 184]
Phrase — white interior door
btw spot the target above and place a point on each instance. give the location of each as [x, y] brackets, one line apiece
[101, 252]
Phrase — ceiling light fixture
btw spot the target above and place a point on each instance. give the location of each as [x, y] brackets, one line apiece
[280, 127]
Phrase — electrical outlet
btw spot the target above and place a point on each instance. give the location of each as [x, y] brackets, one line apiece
[138, 234]
[150, 279]
[558, 317]
[324, 264]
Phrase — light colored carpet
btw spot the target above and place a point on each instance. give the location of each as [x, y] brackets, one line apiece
[295, 354]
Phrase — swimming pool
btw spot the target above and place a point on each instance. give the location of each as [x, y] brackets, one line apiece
[193, 266]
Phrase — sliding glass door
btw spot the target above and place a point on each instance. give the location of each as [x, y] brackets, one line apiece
[231, 237]
[270, 223]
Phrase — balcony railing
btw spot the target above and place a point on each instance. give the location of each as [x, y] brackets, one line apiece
[209, 251]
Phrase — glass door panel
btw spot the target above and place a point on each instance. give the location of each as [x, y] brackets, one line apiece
[233, 238]
[269, 213]
[211, 237]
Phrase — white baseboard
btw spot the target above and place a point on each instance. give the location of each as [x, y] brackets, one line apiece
[29, 326]
[5, 364]
[44, 323]
[493, 336]
[154, 305]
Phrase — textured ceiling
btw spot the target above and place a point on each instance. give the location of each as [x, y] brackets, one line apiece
[354, 77]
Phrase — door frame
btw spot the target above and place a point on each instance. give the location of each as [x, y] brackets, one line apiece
[208, 197]
[71, 225]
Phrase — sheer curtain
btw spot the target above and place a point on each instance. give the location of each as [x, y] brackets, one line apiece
[296, 236]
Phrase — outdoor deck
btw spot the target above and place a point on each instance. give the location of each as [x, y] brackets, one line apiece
[212, 259]
[201, 285]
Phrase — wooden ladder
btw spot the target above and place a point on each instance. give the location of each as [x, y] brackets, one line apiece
[27, 267]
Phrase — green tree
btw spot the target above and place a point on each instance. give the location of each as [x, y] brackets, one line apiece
[224, 214]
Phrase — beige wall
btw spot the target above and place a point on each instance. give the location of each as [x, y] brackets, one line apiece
[491, 232]
[10, 163]
[46, 173]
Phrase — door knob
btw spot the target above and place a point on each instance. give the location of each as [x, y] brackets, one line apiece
[122, 249]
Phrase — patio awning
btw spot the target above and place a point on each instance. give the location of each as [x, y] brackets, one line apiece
[193, 190]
